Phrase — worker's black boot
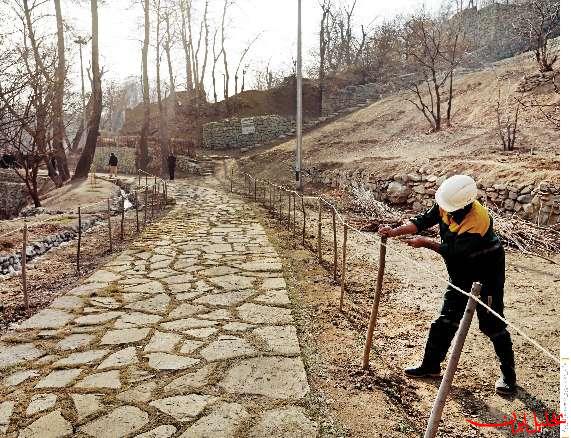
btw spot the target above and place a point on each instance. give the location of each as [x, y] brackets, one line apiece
[439, 338]
[506, 384]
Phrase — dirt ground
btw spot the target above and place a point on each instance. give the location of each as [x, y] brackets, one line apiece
[54, 273]
[382, 402]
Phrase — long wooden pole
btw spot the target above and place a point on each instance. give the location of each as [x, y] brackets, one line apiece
[24, 257]
[375, 308]
[145, 212]
[153, 202]
[288, 210]
[255, 189]
[137, 210]
[446, 383]
[78, 236]
[109, 225]
[343, 266]
[319, 254]
[303, 212]
[122, 217]
[280, 204]
[231, 178]
[334, 245]
[293, 223]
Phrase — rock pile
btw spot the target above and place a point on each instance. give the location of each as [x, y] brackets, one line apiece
[12, 263]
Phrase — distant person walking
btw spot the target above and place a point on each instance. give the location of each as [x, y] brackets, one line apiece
[113, 161]
[171, 162]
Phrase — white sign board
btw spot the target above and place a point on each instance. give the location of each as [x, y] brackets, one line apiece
[248, 126]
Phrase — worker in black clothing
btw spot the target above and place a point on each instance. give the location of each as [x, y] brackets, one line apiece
[113, 161]
[472, 252]
[171, 162]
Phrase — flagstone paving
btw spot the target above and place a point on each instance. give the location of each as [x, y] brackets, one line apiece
[187, 333]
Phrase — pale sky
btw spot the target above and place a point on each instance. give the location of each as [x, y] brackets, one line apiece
[121, 31]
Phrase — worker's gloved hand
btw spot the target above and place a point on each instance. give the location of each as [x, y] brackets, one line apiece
[386, 232]
[419, 242]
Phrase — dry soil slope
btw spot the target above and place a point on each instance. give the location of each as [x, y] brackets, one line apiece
[391, 135]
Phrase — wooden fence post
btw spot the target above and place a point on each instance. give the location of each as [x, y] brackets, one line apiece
[153, 202]
[109, 225]
[319, 254]
[231, 178]
[446, 383]
[137, 210]
[255, 189]
[288, 210]
[375, 308]
[122, 217]
[334, 244]
[139, 179]
[343, 266]
[145, 212]
[303, 212]
[23, 263]
[293, 223]
[78, 236]
[146, 181]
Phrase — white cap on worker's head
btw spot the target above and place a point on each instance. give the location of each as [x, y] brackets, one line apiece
[456, 192]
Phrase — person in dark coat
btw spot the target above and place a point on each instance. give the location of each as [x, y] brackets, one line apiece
[113, 161]
[472, 252]
[171, 162]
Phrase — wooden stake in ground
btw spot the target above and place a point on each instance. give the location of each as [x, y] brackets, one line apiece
[231, 178]
[109, 225]
[293, 223]
[24, 260]
[319, 254]
[303, 230]
[139, 179]
[255, 189]
[334, 244]
[446, 383]
[288, 210]
[146, 181]
[153, 202]
[145, 212]
[375, 308]
[343, 265]
[122, 217]
[166, 193]
[137, 210]
[78, 236]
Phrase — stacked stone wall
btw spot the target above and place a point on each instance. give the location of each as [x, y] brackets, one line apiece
[538, 201]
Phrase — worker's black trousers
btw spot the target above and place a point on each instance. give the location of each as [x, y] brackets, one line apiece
[171, 173]
[488, 269]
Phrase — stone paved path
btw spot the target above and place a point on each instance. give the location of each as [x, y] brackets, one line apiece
[189, 333]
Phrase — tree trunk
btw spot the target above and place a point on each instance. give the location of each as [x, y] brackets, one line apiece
[163, 129]
[173, 99]
[185, 46]
[86, 158]
[143, 149]
[58, 123]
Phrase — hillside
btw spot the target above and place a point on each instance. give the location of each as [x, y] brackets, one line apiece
[391, 134]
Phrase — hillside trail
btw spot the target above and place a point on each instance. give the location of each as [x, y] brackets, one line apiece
[189, 332]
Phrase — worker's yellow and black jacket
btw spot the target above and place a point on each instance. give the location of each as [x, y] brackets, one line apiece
[465, 234]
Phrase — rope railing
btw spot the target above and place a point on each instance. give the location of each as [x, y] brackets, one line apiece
[418, 264]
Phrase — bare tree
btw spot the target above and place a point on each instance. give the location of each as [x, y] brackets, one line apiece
[506, 122]
[186, 46]
[227, 3]
[142, 154]
[540, 22]
[215, 57]
[324, 40]
[431, 52]
[59, 128]
[163, 128]
[86, 158]
[168, 47]
[242, 56]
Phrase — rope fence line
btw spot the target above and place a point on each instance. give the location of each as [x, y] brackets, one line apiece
[435, 275]
[158, 201]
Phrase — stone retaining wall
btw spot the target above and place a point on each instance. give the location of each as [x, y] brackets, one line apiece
[125, 156]
[538, 201]
[351, 96]
[228, 132]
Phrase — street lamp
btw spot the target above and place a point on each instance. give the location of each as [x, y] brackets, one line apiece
[299, 121]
